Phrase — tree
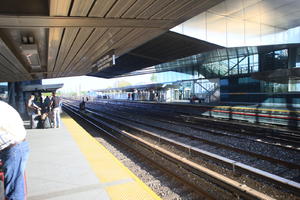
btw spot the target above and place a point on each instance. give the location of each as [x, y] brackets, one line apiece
[153, 78]
[122, 83]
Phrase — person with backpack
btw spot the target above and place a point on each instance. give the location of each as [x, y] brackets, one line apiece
[33, 111]
[55, 106]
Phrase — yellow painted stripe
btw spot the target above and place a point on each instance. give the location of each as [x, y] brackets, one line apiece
[120, 192]
[107, 167]
[259, 109]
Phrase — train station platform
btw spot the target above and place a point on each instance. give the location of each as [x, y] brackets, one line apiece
[68, 163]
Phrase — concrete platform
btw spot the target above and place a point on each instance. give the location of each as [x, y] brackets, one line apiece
[68, 164]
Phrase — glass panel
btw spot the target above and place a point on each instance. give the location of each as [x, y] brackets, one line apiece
[224, 82]
[280, 36]
[242, 52]
[298, 57]
[294, 85]
[253, 63]
[4, 90]
[252, 50]
[267, 61]
[280, 59]
[254, 22]
[186, 88]
[223, 67]
[233, 66]
[243, 65]
[280, 87]
[267, 35]
[274, 87]
[293, 35]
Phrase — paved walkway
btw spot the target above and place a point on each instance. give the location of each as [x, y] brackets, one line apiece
[68, 164]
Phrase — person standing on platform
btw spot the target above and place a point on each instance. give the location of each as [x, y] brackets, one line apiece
[14, 151]
[55, 105]
[47, 102]
[82, 104]
[32, 110]
[128, 95]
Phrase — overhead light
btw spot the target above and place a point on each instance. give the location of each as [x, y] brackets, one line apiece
[27, 39]
[30, 40]
[30, 51]
[24, 40]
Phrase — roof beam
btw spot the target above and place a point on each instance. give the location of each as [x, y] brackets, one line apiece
[144, 56]
[56, 22]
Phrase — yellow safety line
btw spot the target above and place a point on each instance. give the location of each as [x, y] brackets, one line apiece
[73, 125]
[262, 109]
[245, 108]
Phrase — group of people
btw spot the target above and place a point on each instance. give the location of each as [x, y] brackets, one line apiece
[132, 95]
[45, 112]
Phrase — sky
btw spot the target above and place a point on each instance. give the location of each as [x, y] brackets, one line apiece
[87, 83]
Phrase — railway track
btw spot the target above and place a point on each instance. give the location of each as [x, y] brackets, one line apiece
[268, 135]
[140, 148]
[198, 138]
[272, 117]
[190, 152]
[114, 140]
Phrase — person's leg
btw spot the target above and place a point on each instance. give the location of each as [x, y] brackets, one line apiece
[14, 162]
[51, 118]
[58, 117]
[31, 121]
[25, 152]
[55, 117]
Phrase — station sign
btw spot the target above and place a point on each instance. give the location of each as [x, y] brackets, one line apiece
[108, 60]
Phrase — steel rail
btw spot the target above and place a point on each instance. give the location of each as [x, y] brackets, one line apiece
[235, 166]
[231, 185]
[194, 187]
[238, 150]
[202, 107]
[294, 139]
[277, 141]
